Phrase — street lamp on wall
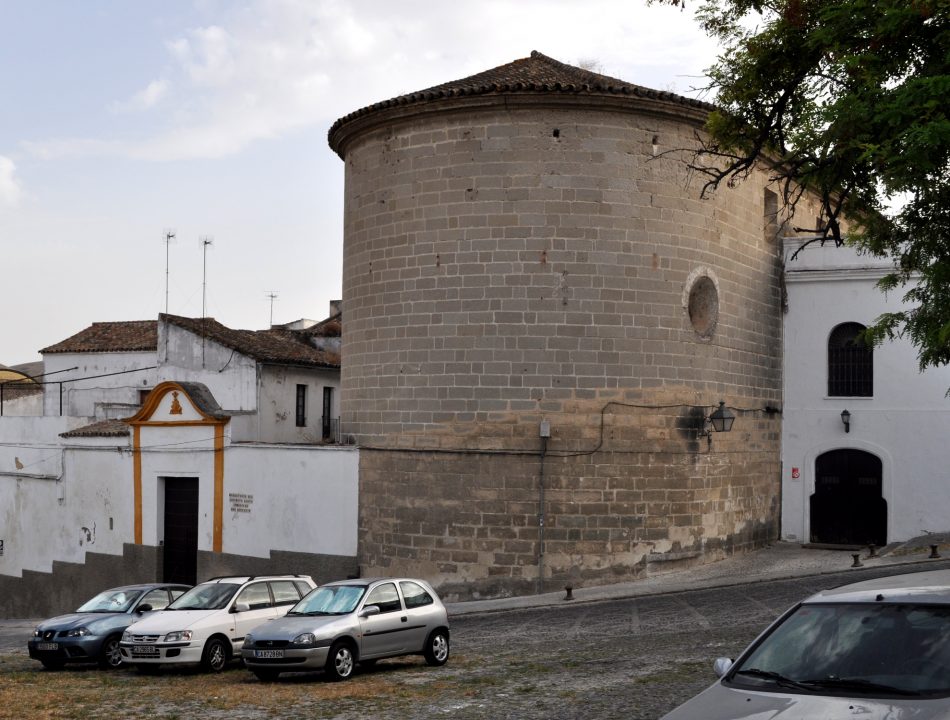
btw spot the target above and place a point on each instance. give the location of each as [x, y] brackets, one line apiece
[719, 420]
[846, 419]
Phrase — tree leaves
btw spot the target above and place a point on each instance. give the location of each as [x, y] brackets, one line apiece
[850, 99]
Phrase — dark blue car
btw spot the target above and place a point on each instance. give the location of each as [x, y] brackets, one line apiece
[92, 633]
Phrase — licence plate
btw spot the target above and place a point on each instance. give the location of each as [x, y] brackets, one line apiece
[268, 653]
[47, 646]
[144, 650]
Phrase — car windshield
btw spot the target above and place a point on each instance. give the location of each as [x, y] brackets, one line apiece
[110, 601]
[871, 650]
[330, 600]
[210, 596]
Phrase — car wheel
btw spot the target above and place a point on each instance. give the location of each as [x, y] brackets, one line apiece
[110, 656]
[437, 648]
[340, 661]
[215, 656]
[53, 664]
[266, 675]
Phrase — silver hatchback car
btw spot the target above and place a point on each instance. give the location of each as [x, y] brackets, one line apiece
[344, 623]
[879, 649]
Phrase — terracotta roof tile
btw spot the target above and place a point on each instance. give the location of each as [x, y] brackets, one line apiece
[285, 347]
[129, 336]
[535, 74]
[103, 428]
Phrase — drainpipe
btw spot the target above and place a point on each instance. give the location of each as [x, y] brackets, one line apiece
[545, 432]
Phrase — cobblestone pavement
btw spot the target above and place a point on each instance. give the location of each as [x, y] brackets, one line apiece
[632, 658]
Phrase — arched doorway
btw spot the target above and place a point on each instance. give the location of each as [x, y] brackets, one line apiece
[848, 507]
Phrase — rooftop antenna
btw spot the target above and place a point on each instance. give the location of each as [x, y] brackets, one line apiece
[272, 294]
[169, 236]
[206, 240]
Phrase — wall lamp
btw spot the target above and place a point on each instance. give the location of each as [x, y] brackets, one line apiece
[719, 420]
[846, 419]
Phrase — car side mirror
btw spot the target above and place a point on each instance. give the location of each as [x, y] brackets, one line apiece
[369, 611]
[240, 607]
[721, 666]
[143, 608]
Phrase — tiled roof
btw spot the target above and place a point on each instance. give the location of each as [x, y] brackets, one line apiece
[535, 74]
[332, 327]
[33, 369]
[129, 336]
[103, 428]
[284, 347]
[202, 397]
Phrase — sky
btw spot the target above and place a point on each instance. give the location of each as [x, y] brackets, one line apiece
[122, 122]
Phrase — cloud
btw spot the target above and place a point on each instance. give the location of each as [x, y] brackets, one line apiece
[270, 67]
[10, 190]
[144, 99]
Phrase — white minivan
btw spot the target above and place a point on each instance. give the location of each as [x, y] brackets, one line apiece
[206, 625]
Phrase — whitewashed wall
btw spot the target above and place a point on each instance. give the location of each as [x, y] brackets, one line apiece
[303, 499]
[82, 504]
[230, 376]
[93, 390]
[276, 497]
[906, 421]
[279, 398]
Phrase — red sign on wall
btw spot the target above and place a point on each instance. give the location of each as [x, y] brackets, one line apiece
[796, 473]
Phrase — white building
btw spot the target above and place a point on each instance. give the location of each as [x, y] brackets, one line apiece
[863, 431]
[178, 450]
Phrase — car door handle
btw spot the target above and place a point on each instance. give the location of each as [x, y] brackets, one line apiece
[404, 618]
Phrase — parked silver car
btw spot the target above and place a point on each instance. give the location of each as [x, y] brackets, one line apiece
[92, 633]
[879, 649]
[355, 621]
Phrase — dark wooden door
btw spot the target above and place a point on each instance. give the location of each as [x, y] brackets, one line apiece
[848, 507]
[181, 531]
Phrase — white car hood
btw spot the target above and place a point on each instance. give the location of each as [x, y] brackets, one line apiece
[721, 703]
[165, 621]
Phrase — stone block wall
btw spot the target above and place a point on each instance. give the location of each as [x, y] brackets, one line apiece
[523, 261]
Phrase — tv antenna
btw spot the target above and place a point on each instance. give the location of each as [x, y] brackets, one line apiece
[272, 295]
[206, 240]
[169, 235]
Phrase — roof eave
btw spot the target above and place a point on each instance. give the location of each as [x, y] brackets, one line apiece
[370, 118]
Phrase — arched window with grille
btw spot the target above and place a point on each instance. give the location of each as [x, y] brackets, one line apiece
[850, 362]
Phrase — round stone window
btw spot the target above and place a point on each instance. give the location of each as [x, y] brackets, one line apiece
[703, 305]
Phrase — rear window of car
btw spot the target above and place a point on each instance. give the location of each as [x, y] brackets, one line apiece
[285, 592]
[414, 594]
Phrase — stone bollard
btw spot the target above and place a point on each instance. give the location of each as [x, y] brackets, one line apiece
[570, 592]
[872, 550]
[933, 553]
[857, 560]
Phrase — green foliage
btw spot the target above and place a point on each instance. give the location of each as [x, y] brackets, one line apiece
[850, 99]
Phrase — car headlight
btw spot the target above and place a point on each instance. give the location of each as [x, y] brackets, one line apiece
[126, 636]
[37, 633]
[305, 639]
[178, 636]
[79, 632]
[248, 640]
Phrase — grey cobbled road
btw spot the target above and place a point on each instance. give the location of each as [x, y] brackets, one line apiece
[626, 659]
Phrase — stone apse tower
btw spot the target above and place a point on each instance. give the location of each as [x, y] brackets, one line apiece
[539, 314]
